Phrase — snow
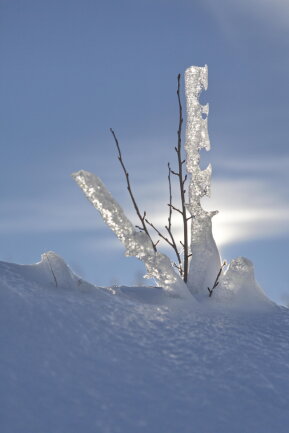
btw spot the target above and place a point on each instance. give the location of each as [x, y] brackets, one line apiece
[79, 358]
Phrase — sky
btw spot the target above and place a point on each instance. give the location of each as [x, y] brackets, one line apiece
[70, 70]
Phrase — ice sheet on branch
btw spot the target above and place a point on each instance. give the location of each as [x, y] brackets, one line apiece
[205, 262]
[136, 243]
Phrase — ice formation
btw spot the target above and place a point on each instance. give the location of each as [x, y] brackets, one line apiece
[137, 243]
[205, 262]
[238, 284]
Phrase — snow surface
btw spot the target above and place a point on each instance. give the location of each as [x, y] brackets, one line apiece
[79, 358]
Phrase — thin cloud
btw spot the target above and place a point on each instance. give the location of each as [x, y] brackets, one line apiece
[276, 164]
[228, 13]
[35, 216]
[250, 208]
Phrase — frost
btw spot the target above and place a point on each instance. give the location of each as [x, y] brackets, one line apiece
[136, 243]
[205, 262]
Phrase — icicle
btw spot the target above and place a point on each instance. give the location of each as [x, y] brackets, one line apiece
[136, 243]
[205, 262]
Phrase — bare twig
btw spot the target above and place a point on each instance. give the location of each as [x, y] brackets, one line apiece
[157, 242]
[217, 279]
[55, 279]
[169, 226]
[175, 208]
[174, 172]
[141, 217]
[171, 198]
[182, 265]
[158, 232]
[182, 181]
[170, 241]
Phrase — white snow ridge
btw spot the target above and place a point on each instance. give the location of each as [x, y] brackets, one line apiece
[176, 358]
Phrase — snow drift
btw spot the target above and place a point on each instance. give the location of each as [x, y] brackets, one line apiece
[79, 358]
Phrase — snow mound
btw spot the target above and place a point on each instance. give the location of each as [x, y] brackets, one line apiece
[237, 286]
[50, 271]
[126, 360]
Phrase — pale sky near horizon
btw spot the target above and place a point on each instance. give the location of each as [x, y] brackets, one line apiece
[70, 70]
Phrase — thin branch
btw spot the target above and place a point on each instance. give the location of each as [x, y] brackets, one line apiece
[179, 268]
[158, 232]
[217, 279]
[50, 266]
[181, 183]
[171, 198]
[176, 209]
[185, 178]
[142, 218]
[140, 228]
[171, 244]
[175, 173]
[169, 227]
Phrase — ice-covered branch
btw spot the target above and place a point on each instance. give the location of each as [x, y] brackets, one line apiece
[205, 262]
[137, 243]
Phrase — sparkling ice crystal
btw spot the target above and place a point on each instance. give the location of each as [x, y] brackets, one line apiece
[136, 243]
[205, 262]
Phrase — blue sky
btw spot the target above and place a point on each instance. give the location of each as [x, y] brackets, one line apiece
[70, 70]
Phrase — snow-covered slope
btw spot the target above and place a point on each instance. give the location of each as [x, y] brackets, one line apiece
[77, 358]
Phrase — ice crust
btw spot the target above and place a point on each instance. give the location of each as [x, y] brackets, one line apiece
[137, 243]
[205, 262]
